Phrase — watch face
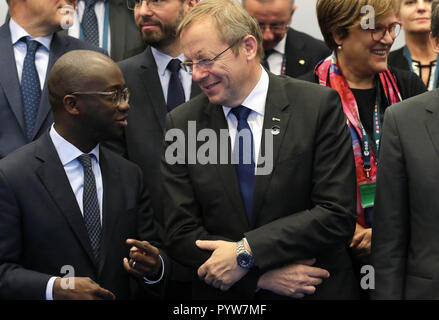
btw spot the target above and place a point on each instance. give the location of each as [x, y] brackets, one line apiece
[245, 260]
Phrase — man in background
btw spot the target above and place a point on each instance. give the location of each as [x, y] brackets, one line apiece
[287, 51]
[108, 24]
[158, 85]
[29, 47]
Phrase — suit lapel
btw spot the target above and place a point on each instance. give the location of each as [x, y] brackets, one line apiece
[111, 204]
[293, 49]
[276, 119]
[152, 86]
[58, 47]
[432, 123]
[53, 176]
[9, 76]
[226, 172]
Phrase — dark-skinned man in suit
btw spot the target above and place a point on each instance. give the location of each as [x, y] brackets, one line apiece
[68, 203]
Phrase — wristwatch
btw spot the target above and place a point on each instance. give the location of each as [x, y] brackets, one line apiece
[244, 258]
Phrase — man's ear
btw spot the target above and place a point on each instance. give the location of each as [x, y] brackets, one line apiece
[292, 12]
[70, 103]
[250, 46]
[189, 5]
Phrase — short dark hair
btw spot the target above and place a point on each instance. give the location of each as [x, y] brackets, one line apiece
[435, 18]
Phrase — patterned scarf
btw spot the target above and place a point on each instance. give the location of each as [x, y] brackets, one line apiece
[330, 75]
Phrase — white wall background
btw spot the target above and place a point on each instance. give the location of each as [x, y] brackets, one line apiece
[304, 20]
[3, 11]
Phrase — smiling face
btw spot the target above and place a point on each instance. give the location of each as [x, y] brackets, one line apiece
[99, 112]
[415, 15]
[158, 23]
[360, 54]
[231, 77]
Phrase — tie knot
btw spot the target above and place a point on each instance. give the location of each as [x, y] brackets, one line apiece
[32, 45]
[85, 160]
[90, 3]
[241, 112]
[174, 65]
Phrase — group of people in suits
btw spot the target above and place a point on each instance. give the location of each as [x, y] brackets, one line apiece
[92, 190]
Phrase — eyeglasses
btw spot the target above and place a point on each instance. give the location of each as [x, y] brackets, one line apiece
[116, 96]
[274, 27]
[135, 4]
[380, 32]
[206, 63]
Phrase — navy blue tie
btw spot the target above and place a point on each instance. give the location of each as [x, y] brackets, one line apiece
[30, 88]
[89, 23]
[90, 204]
[175, 88]
[244, 157]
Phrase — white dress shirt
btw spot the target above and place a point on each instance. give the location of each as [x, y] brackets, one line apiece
[162, 61]
[276, 58]
[20, 50]
[68, 155]
[256, 102]
[75, 29]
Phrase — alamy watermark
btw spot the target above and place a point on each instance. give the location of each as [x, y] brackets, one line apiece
[206, 147]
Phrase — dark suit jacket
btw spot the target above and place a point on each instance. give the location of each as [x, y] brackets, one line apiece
[303, 53]
[12, 131]
[143, 137]
[305, 208]
[42, 228]
[405, 227]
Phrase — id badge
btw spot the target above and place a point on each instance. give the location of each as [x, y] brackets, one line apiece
[367, 194]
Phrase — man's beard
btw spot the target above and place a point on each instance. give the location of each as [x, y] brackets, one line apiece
[166, 34]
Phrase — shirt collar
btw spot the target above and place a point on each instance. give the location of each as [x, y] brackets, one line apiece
[280, 47]
[67, 152]
[162, 60]
[257, 97]
[17, 32]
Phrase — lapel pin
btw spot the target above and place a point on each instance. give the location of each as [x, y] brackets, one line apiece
[302, 62]
[275, 130]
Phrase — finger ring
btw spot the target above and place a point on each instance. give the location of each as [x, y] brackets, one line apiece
[133, 265]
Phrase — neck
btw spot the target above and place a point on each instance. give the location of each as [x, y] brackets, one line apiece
[34, 29]
[355, 79]
[253, 79]
[420, 47]
[85, 144]
[172, 49]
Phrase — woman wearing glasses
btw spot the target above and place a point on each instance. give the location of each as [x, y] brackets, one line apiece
[361, 33]
[418, 54]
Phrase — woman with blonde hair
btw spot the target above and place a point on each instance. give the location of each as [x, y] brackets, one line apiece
[361, 33]
[418, 54]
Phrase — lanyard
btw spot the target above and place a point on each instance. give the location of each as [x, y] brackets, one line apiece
[106, 24]
[410, 61]
[365, 145]
[284, 64]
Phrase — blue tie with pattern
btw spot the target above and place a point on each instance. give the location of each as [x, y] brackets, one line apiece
[175, 88]
[30, 88]
[90, 205]
[244, 157]
[89, 23]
